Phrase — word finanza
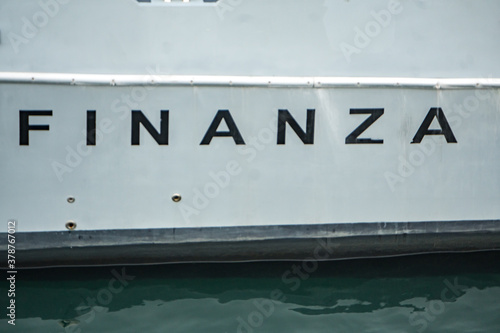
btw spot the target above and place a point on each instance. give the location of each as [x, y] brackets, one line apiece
[284, 117]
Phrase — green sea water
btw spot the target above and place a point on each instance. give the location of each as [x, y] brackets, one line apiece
[421, 293]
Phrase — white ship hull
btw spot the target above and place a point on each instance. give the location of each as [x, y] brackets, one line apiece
[248, 133]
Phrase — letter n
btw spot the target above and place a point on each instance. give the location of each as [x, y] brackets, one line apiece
[306, 137]
[139, 118]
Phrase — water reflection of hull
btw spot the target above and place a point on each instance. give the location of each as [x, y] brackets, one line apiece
[326, 289]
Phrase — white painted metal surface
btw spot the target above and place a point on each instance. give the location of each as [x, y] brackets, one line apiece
[71, 57]
[117, 185]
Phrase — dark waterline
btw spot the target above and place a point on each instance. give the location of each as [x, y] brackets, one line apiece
[422, 293]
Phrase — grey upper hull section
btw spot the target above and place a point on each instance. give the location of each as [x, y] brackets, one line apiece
[376, 38]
